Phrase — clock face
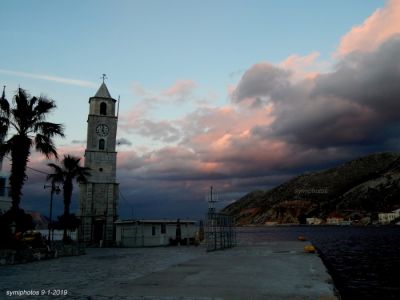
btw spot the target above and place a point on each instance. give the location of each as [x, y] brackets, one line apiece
[102, 130]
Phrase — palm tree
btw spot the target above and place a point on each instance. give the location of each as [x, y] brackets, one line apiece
[65, 174]
[26, 121]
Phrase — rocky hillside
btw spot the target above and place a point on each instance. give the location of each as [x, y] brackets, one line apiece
[359, 188]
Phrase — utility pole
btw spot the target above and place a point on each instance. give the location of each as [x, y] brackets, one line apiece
[56, 189]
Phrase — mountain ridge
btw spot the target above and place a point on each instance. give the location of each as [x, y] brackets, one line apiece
[357, 189]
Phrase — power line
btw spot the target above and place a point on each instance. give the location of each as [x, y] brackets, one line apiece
[33, 169]
[36, 170]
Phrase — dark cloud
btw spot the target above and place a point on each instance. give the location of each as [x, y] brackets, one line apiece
[370, 79]
[262, 83]
[123, 141]
[357, 104]
[79, 142]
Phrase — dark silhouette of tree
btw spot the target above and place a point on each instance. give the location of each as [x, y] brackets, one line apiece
[66, 174]
[24, 122]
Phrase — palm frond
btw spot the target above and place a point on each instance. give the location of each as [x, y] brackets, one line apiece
[56, 168]
[49, 129]
[32, 102]
[84, 174]
[58, 174]
[4, 126]
[21, 110]
[43, 107]
[4, 107]
[46, 146]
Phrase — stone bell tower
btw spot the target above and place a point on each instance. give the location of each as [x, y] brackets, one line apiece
[98, 197]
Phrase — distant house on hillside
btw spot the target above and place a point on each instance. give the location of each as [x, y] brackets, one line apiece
[336, 218]
[314, 221]
[386, 218]
[144, 233]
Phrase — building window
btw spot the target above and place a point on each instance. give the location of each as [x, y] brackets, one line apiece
[103, 108]
[102, 144]
[163, 228]
[153, 230]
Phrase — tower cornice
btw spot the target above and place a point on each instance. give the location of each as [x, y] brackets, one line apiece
[102, 98]
[102, 116]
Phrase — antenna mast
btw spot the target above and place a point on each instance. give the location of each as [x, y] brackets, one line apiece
[212, 199]
[118, 106]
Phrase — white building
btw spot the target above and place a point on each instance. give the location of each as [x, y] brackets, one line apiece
[334, 221]
[314, 221]
[386, 218]
[144, 233]
[337, 221]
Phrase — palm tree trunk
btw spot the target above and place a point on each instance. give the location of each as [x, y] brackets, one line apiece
[19, 157]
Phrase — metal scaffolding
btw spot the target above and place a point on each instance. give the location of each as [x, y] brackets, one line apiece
[220, 228]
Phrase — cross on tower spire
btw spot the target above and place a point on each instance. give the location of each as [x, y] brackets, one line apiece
[104, 77]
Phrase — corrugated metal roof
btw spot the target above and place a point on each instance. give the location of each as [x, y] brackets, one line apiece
[154, 221]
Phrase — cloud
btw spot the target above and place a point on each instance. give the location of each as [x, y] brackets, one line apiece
[367, 78]
[260, 83]
[140, 118]
[180, 90]
[123, 141]
[78, 142]
[138, 89]
[77, 150]
[305, 67]
[380, 26]
[354, 104]
[163, 131]
[63, 80]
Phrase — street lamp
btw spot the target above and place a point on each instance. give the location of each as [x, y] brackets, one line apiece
[56, 189]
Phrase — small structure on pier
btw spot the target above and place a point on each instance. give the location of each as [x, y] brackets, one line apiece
[146, 233]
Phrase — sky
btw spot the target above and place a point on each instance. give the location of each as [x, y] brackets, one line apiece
[240, 95]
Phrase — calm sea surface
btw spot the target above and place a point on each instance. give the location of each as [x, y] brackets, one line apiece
[364, 262]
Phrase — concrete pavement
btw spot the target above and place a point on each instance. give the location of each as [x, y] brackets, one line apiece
[270, 270]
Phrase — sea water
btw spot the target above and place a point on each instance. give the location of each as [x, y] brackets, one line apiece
[364, 262]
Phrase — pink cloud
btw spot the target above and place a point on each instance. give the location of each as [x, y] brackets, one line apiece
[217, 143]
[215, 128]
[180, 88]
[137, 118]
[377, 28]
[304, 67]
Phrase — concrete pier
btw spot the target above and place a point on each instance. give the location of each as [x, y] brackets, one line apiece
[274, 270]
[271, 271]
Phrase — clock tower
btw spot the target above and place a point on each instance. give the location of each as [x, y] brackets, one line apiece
[98, 197]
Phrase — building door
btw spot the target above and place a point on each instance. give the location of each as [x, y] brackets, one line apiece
[98, 231]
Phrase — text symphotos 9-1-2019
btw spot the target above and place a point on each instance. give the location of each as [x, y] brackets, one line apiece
[52, 292]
